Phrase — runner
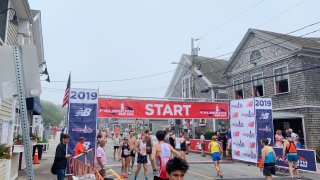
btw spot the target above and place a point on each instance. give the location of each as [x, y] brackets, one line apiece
[124, 150]
[291, 149]
[216, 151]
[161, 153]
[116, 143]
[172, 140]
[202, 143]
[141, 148]
[268, 160]
[132, 142]
[183, 146]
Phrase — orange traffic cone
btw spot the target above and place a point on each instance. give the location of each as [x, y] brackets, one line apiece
[36, 158]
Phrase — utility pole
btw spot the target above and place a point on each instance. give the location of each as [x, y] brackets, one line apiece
[194, 52]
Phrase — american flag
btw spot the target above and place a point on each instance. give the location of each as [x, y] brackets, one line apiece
[66, 94]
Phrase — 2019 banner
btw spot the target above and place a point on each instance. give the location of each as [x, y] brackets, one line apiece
[82, 117]
[119, 108]
[307, 159]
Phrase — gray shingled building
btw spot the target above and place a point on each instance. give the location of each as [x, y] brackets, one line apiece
[193, 79]
[296, 95]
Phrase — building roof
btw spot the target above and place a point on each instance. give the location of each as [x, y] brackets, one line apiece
[301, 41]
[211, 68]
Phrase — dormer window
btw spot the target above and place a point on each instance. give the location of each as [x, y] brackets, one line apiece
[256, 54]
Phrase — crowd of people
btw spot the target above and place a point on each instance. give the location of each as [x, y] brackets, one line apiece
[168, 163]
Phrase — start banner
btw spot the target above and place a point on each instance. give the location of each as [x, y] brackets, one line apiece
[120, 108]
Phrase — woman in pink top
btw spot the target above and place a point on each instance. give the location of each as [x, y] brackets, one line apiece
[279, 138]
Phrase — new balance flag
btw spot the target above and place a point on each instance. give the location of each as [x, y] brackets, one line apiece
[67, 92]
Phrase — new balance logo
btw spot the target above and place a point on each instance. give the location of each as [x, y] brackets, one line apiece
[84, 112]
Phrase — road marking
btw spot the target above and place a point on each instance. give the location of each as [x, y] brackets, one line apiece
[114, 173]
[197, 174]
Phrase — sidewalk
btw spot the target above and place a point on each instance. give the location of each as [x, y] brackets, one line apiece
[42, 170]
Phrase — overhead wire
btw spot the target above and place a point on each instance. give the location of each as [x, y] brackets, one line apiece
[232, 19]
[266, 22]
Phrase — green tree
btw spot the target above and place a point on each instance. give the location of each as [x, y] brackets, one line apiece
[51, 113]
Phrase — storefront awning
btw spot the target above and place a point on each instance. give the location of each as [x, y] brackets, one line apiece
[33, 104]
[286, 115]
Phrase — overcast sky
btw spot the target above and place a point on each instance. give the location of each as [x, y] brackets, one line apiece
[100, 40]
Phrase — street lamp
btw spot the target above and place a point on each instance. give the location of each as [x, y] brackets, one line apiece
[15, 19]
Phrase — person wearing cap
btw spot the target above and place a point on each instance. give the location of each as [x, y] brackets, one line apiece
[80, 147]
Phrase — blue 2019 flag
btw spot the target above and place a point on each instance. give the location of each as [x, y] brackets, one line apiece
[82, 118]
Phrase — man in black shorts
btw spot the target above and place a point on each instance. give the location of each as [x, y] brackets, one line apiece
[132, 142]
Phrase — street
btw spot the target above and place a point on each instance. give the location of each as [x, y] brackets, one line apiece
[200, 167]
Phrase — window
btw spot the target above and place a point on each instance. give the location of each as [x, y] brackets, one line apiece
[281, 82]
[256, 54]
[17, 123]
[238, 89]
[186, 88]
[3, 19]
[202, 122]
[257, 85]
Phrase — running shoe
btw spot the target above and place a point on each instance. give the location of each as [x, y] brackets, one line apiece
[130, 171]
[125, 176]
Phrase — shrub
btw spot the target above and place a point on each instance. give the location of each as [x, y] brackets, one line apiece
[208, 135]
[18, 140]
[5, 151]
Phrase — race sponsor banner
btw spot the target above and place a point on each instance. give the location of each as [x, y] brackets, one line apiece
[263, 109]
[243, 129]
[196, 146]
[82, 117]
[119, 108]
[307, 159]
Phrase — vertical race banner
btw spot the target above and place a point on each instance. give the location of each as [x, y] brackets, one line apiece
[82, 117]
[243, 129]
[263, 107]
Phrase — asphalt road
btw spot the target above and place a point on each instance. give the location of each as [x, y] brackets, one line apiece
[202, 168]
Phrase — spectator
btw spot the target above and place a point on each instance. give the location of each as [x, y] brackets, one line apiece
[80, 147]
[219, 138]
[229, 133]
[63, 131]
[229, 145]
[101, 158]
[287, 134]
[297, 142]
[278, 138]
[172, 140]
[183, 146]
[60, 160]
[176, 168]
[202, 143]
[293, 135]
